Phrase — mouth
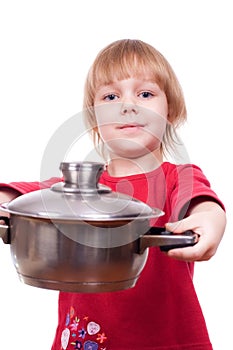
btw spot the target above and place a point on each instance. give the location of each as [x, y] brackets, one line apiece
[130, 126]
[131, 129]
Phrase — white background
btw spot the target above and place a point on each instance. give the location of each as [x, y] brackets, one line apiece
[46, 48]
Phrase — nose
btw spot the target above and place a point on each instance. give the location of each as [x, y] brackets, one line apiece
[128, 108]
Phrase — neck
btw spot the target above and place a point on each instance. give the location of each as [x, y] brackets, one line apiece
[119, 166]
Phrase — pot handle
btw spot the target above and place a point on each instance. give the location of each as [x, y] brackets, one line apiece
[5, 230]
[166, 240]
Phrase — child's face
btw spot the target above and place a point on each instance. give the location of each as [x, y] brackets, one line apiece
[131, 116]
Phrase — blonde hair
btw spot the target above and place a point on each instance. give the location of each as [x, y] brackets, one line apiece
[127, 58]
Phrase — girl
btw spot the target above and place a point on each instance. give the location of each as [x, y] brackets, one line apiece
[133, 104]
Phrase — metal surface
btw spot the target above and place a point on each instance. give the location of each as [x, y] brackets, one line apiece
[81, 197]
[46, 257]
[81, 237]
[82, 257]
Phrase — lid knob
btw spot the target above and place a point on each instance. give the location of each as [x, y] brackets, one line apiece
[81, 176]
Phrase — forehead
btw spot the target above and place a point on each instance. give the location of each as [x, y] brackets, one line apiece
[116, 71]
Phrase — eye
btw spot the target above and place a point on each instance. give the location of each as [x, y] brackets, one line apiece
[110, 97]
[146, 94]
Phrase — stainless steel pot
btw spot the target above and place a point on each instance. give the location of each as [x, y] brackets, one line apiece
[79, 236]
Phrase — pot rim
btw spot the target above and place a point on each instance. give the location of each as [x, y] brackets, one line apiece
[155, 213]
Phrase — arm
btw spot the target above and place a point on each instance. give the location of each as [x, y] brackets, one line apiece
[207, 218]
[14, 189]
[6, 195]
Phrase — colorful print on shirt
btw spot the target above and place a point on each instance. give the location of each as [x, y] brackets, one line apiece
[82, 333]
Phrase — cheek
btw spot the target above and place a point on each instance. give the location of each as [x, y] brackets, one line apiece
[161, 108]
[161, 124]
[107, 113]
[105, 132]
[156, 126]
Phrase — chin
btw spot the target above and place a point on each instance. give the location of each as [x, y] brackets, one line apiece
[130, 153]
[131, 149]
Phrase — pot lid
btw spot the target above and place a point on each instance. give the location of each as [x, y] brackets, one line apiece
[81, 197]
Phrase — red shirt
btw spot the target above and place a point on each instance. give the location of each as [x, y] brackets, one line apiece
[162, 311]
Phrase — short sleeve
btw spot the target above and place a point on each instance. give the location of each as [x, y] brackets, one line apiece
[188, 182]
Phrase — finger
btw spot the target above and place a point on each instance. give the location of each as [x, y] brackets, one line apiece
[188, 254]
[179, 226]
[198, 252]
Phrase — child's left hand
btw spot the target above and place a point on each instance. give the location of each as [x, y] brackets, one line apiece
[208, 220]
